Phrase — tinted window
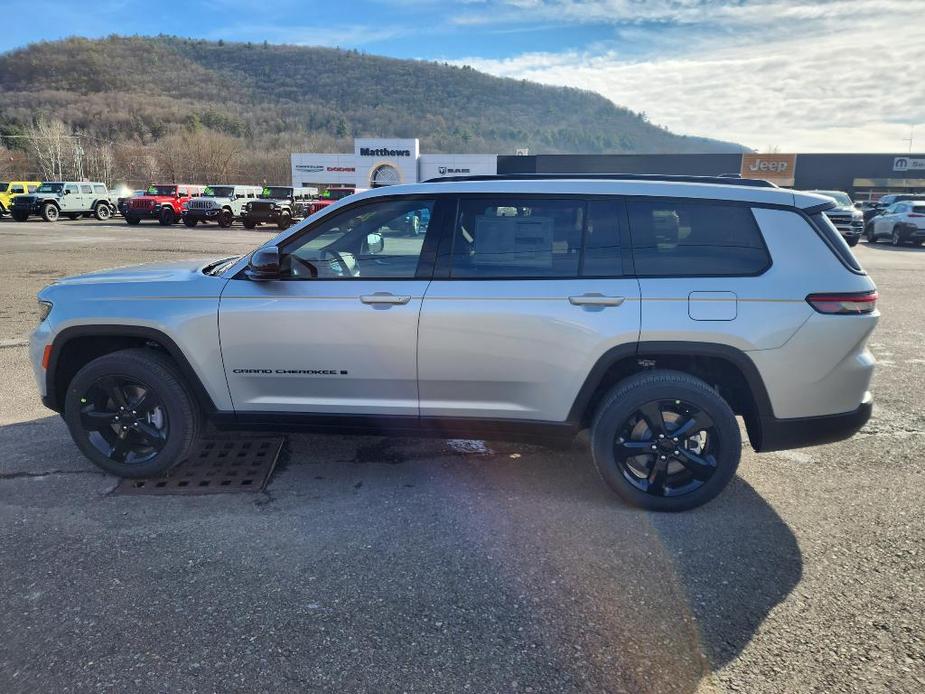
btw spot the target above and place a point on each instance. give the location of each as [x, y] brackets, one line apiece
[517, 237]
[380, 240]
[16, 189]
[675, 237]
[602, 254]
[835, 241]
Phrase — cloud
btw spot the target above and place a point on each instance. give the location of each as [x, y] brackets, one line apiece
[845, 77]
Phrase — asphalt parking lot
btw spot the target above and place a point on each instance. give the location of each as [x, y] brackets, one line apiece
[376, 565]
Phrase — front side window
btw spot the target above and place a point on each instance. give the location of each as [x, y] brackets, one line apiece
[161, 190]
[691, 238]
[16, 189]
[71, 188]
[381, 240]
[506, 236]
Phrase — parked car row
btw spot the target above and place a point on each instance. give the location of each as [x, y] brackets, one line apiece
[167, 204]
[897, 217]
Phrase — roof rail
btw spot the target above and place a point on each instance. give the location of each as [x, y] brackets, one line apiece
[725, 179]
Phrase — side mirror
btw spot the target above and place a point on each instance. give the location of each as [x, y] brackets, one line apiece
[67, 192]
[375, 243]
[264, 264]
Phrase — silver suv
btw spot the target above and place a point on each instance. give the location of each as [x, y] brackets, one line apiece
[652, 310]
[219, 203]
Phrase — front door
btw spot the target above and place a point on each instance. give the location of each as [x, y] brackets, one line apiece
[70, 202]
[532, 291]
[337, 333]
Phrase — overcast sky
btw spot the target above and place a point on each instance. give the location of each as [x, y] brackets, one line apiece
[827, 75]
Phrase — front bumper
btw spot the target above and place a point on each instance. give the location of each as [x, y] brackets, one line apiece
[783, 434]
[143, 213]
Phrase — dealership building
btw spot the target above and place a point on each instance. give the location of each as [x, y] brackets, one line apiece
[377, 162]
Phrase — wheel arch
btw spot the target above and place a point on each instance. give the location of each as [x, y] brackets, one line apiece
[727, 369]
[75, 346]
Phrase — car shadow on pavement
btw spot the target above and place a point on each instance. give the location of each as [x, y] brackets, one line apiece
[887, 246]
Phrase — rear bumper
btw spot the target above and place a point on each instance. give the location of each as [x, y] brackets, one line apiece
[782, 434]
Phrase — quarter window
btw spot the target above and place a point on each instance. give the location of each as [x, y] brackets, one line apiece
[382, 240]
[517, 237]
[690, 238]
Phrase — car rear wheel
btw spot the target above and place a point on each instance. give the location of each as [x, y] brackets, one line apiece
[665, 441]
[102, 212]
[225, 219]
[130, 414]
[50, 212]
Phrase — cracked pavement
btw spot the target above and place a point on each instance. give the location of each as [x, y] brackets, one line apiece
[374, 565]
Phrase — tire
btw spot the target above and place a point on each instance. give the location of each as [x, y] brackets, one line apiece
[225, 219]
[895, 238]
[870, 234]
[50, 212]
[249, 223]
[132, 221]
[854, 242]
[284, 222]
[19, 216]
[128, 378]
[167, 217]
[677, 475]
[102, 212]
[2, 211]
[190, 223]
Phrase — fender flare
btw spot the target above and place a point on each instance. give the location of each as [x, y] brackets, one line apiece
[61, 340]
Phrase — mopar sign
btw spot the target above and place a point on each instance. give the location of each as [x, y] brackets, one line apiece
[908, 164]
[384, 152]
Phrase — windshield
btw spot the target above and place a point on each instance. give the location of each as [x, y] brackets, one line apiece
[841, 198]
[276, 192]
[218, 192]
[50, 188]
[161, 190]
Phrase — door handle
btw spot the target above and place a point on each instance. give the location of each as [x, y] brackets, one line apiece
[380, 298]
[595, 300]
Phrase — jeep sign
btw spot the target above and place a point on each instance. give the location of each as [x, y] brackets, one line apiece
[777, 168]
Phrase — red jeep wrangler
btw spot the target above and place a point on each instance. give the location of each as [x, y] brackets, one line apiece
[328, 197]
[161, 202]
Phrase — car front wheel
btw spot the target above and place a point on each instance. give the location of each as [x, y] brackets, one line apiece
[665, 441]
[130, 413]
[896, 238]
[225, 219]
[50, 212]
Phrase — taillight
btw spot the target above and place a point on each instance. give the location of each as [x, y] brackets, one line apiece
[844, 304]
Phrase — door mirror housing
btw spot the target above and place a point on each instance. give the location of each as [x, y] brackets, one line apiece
[375, 243]
[67, 192]
[264, 264]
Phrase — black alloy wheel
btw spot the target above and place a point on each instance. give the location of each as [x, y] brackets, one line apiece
[167, 217]
[124, 419]
[132, 221]
[131, 413]
[665, 440]
[102, 212]
[667, 448]
[225, 219]
[190, 223]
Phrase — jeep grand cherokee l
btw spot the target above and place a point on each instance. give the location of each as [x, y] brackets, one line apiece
[651, 311]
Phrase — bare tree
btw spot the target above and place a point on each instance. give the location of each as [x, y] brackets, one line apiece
[54, 149]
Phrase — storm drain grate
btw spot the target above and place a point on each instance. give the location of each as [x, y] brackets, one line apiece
[216, 466]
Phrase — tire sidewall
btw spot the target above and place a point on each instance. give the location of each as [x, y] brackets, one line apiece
[50, 213]
[102, 212]
[616, 411]
[225, 219]
[173, 397]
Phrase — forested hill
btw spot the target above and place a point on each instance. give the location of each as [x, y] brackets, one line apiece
[134, 89]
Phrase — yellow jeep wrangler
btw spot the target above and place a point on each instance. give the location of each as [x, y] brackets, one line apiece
[9, 189]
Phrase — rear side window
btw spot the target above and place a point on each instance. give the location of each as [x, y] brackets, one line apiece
[693, 238]
[85, 188]
[835, 241]
[101, 190]
[502, 237]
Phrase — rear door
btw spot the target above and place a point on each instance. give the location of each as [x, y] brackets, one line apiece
[518, 314]
[338, 332]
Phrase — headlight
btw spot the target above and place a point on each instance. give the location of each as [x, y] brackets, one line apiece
[44, 310]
